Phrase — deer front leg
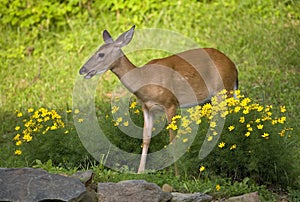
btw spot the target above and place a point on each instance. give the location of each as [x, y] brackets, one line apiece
[147, 132]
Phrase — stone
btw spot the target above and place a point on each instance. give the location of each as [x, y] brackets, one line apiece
[85, 177]
[193, 197]
[29, 184]
[251, 197]
[167, 188]
[132, 191]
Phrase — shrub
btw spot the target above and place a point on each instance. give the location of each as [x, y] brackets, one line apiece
[40, 14]
[255, 141]
[43, 134]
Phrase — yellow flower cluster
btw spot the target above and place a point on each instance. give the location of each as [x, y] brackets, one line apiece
[40, 121]
[225, 104]
[118, 121]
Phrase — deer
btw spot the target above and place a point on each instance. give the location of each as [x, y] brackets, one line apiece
[189, 78]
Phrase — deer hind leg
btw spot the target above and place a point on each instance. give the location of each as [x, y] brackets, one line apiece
[147, 132]
[170, 113]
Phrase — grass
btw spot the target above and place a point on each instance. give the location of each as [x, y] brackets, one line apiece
[262, 38]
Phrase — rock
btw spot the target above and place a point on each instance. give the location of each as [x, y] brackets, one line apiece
[132, 191]
[85, 177]
[194, 197]
[167, 188]
[29, 184]
[251, 197]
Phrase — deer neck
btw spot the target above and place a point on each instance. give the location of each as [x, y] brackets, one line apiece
[128, 73]
[123, 66]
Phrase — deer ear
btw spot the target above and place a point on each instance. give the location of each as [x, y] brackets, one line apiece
[125, 38]
[106, 37]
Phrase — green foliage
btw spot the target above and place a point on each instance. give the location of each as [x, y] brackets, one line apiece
[115, 120]
[294, 194]
[40, 14]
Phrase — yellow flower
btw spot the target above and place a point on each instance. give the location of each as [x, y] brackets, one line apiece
[246, 111]
[54, 127]
[136, 111]
[176, 117]
[202, 168]
[269, 114]
[266, 135]
[218, 187]
[231, 128]
[245, 102]
[213, 124]
[237, 109]
[198, 121]
[233, 147]
[260, 126]
[172, 126]
[184, 140]
[257, 121]
[27, 137]
[67, 131]
[17, 137]
[282, 133]
[76, 111]
[114, 109]
[118, 121]
[19, 114]
[224, 114]
[282, 120]
[132, 105]
[206, 110]
[29, 110]
[126, 123]
[242, 119]
[268, 108]
[69, 111]
[247, 134]
[18, 143]
[80, 120]
[18, 152]
[221, 145]
[282, 109]
[17, 128]
[260, 108]
[185, 122]
[209, 138]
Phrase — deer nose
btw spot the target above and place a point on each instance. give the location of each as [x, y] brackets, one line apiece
[82, 70]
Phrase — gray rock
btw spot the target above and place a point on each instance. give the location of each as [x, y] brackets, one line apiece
[28, 184]
[131, 191]
[251, 197]
[194, 197]
[84, 176]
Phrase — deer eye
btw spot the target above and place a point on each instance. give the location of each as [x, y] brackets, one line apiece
[100, 55]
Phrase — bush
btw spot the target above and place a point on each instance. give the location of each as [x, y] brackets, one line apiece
[43, 134]
[255, 142]
[40, 14]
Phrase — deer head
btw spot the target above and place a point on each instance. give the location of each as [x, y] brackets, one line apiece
[107, 56]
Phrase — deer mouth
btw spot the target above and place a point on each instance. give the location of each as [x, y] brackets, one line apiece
[90, 74]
